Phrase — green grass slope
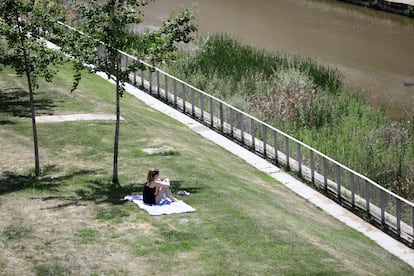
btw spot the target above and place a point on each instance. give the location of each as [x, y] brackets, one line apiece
[71, 221]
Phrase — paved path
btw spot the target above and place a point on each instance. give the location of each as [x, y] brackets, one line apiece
[75, 117]
[408, 2]
[393, 246]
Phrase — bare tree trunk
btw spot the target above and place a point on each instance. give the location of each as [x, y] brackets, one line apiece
[34, 127]
[115, 179]
[31, 101]
[115, 56]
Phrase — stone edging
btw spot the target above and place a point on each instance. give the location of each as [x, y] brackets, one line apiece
[402, 7]
[76, 117]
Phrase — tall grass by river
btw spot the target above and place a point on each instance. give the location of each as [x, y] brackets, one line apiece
[308, 101]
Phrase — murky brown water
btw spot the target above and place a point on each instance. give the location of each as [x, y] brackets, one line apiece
[373, 49]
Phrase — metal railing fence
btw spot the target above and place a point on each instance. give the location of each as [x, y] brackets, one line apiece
[347, 186]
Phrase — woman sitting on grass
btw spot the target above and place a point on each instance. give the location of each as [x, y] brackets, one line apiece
[155, 189]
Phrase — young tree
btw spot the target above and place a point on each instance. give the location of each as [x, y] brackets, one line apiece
[104, 28]
[21, 25]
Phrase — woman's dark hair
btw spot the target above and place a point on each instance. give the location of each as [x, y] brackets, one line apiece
[151, 174]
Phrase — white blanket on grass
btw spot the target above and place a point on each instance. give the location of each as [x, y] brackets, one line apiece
[165, 207]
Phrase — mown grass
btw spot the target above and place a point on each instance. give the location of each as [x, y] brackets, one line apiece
[307, 101]
[73, 222]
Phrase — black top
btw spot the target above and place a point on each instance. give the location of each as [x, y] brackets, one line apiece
[148, 194]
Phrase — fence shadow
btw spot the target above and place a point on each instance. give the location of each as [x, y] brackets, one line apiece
[15, 101]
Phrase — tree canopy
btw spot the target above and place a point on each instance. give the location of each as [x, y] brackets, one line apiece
[22, 25]
[98, 30]
[101, 31]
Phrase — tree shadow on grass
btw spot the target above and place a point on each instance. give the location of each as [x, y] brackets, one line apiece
[103, 191]
[11, 182]
[6, 122]
[177, 185]
[15, 101]
[98, 190]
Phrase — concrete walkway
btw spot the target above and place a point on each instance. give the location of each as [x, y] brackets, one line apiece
[407, 2]
[393, 246]
[75, 117]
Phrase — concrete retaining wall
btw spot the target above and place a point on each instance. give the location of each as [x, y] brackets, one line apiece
[402, 7]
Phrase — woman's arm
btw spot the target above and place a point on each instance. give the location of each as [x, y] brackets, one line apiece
[166, 182]
[160, 183]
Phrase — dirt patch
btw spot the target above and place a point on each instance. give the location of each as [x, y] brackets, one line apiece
[49, 235]
[160, 150]
[10, 144]
[361, 267]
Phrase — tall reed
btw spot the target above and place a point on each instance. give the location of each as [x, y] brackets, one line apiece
[308, 101]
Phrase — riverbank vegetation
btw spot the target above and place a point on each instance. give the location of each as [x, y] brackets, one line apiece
[71, 221]
[308, 101]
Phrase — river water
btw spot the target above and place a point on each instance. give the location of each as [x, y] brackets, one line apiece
[373, 49]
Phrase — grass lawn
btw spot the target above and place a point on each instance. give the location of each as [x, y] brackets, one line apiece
[71, 221]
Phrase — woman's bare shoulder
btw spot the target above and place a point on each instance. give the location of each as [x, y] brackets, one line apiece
[154, 183]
